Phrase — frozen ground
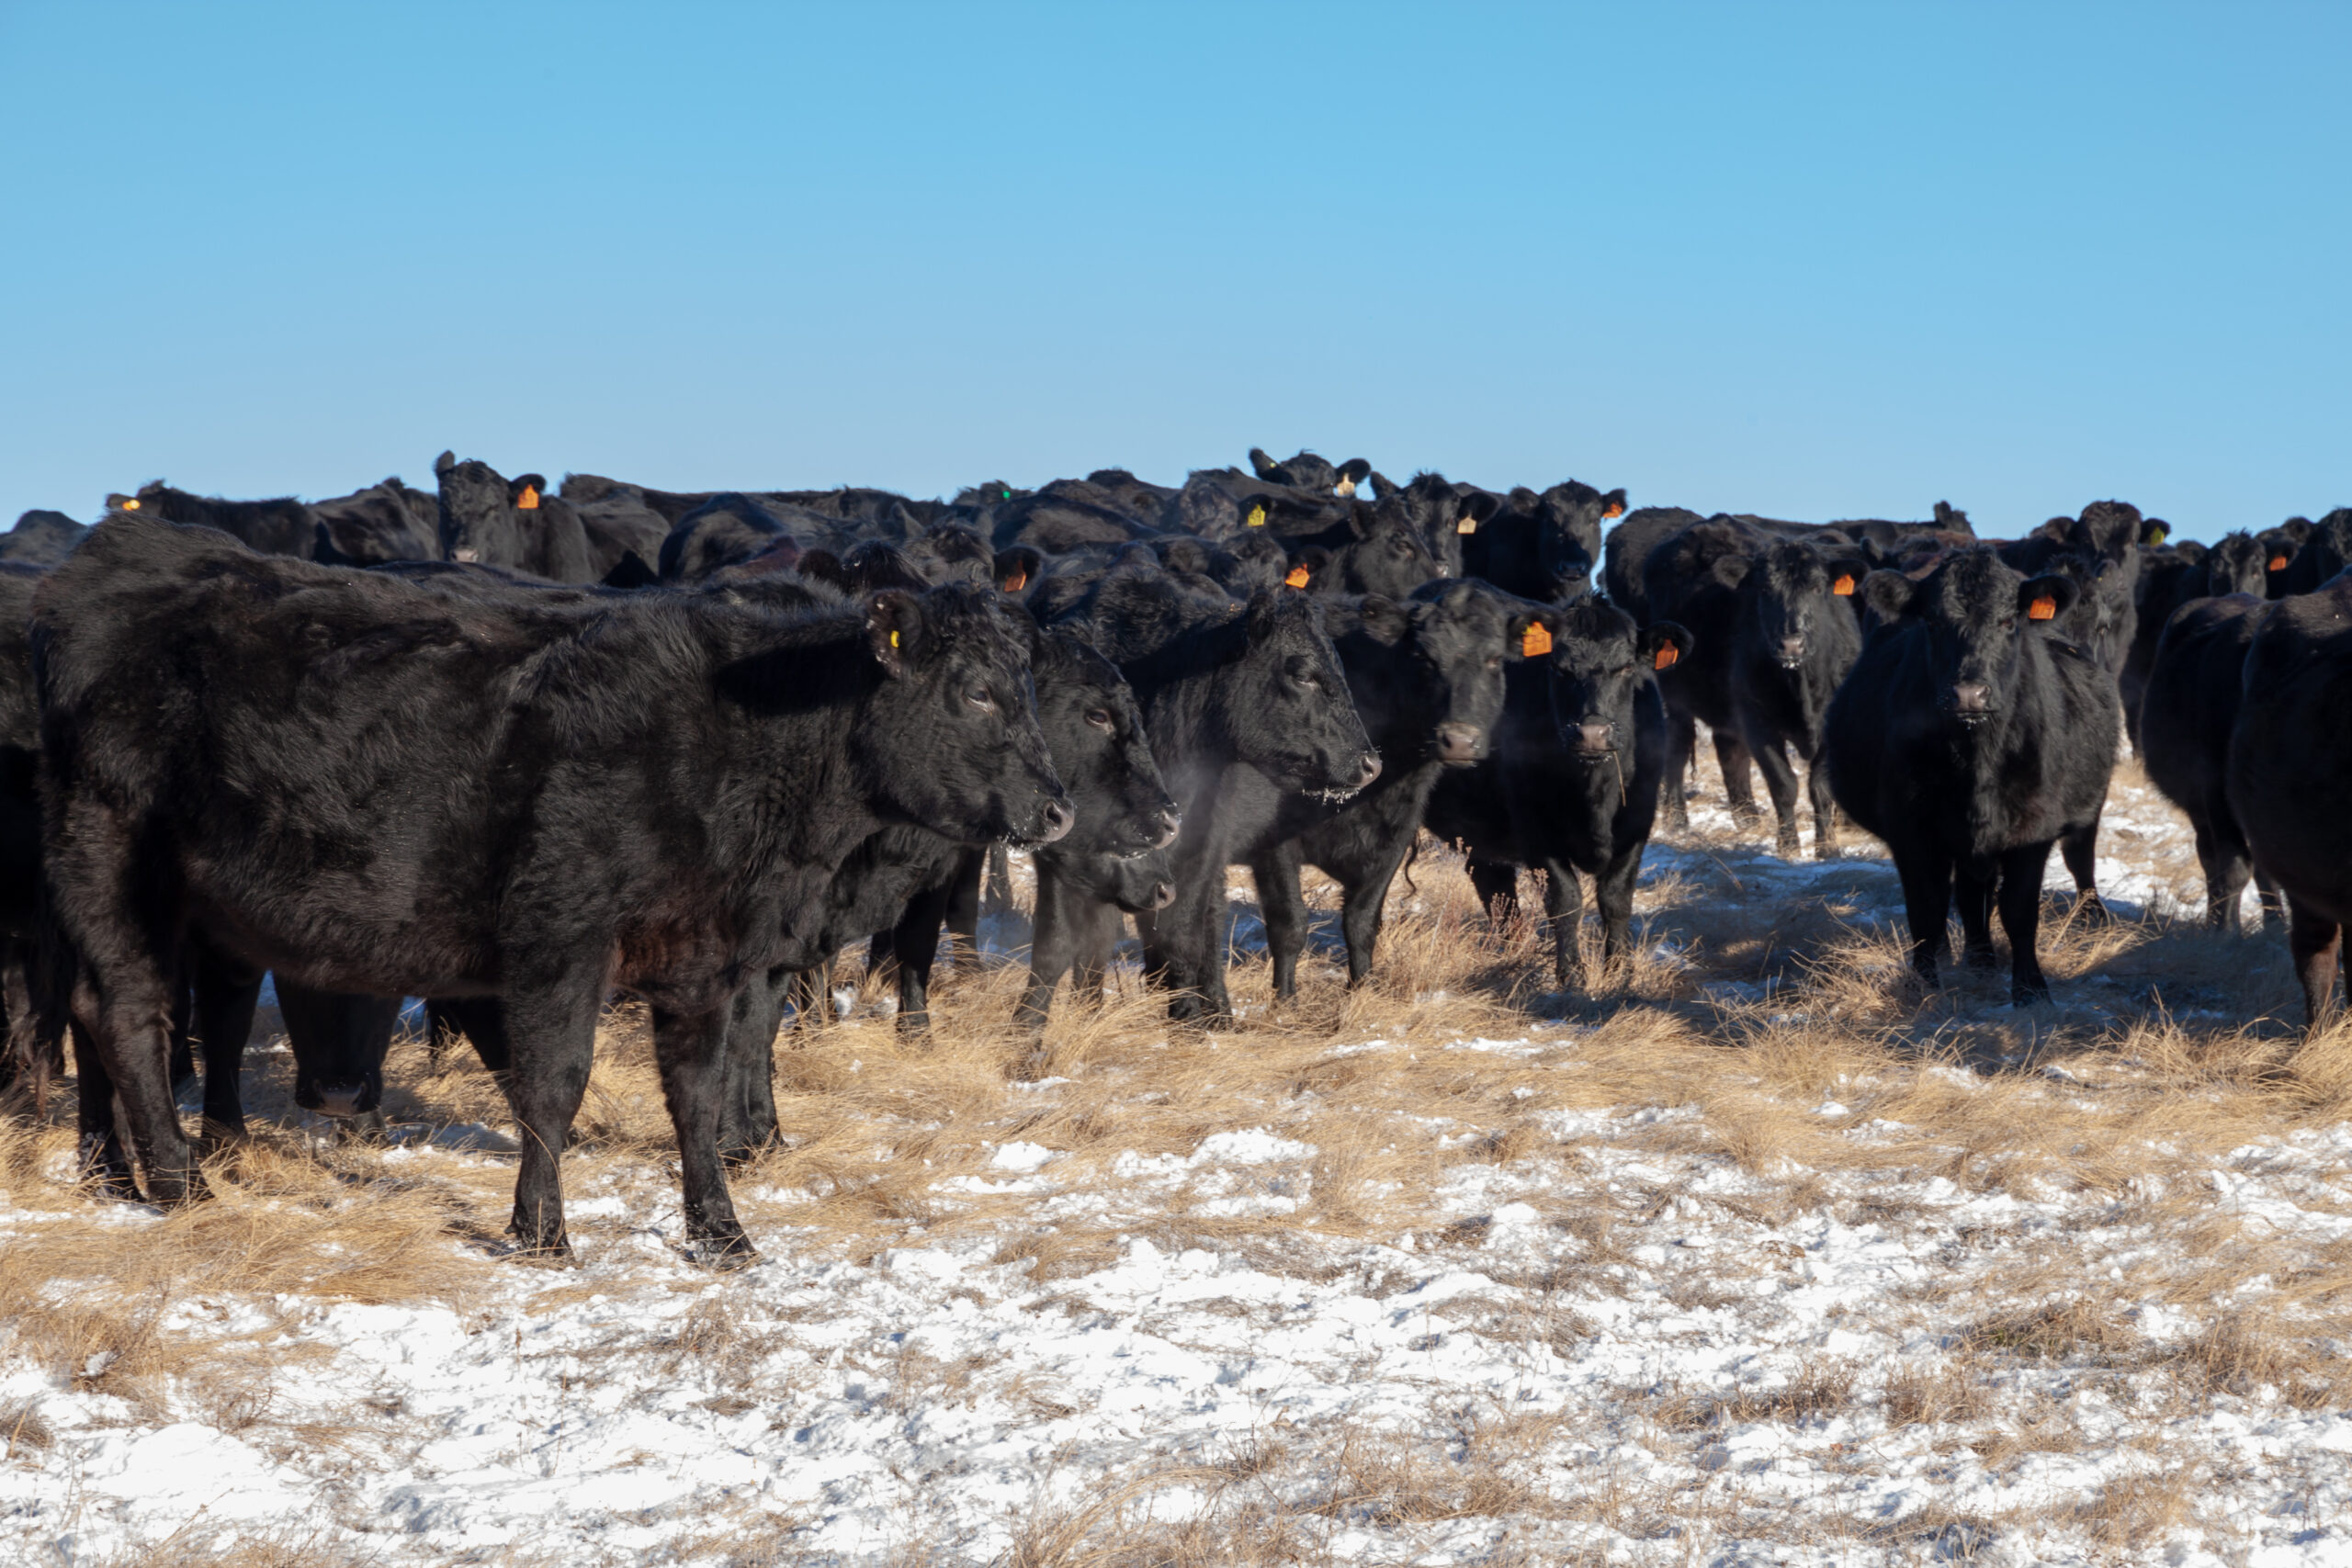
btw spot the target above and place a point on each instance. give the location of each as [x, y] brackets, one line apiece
[1670, 1328]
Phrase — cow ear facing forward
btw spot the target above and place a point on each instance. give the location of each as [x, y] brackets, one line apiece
[1384, 620]
[1888, 595]
[1531, 633]
[525, 490]
[1613, 503]
[894, 629]
[1665, 644]
[2047, 597]
[1731, 570]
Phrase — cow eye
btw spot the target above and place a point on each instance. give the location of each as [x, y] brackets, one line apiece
[982, 698]
[1099, 717]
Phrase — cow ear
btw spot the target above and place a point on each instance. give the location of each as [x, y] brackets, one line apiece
[824, 566]
[1261, 616]
[1264, 466]
[1015, 568]
[2153, 531]
[894, 629]
[2047, 597]
[1845, 575]
[1888, 595]
[1665, 644]
[525, 490]
[1304, 565]
[1354, 472]
[1731, 570]
[1384, 620]
[631, 572]
[444, 463]
[1533, 631]
[1613, 503]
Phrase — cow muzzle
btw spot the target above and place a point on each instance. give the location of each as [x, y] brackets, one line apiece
[1055, 821]
[465, 558]
[1792, 652]
[1596, 738]
[1459, 745]
[1972, 701]
[341, 1099]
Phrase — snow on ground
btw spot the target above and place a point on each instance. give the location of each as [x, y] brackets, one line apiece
[1654, 1356]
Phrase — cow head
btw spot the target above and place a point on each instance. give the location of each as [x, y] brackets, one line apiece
[1094, 734]
[1598, 665]
[1387, 556]
[1974, 616]
[2236, 564]
[950, 739]
[1292, 717]
[482, 512]
[1567, 541]
[1790, 595]
[1456, 640]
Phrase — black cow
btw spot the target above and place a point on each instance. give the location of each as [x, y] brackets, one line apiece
[41, 538]
[1625, 554]
[33, 1053]
[1308, 471]
[2325, 552]
[2280, 546]
[387, 522]
[2193, 691]
[2171, 577]
[1427, 679]
[515, 798]
[1794, 636]
[280, 526]
[1245, 704]
[1970, 739]
[1681, 584]
[1573, 785]
[728, 530]
[489, 520]
[2290, 772]
[1546, 547]
[1375, 550]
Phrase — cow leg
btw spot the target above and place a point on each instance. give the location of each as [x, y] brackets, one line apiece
[1185, 948]
[183, 1069]
[1780, 784]
[914, 941]
[810, 994]
[1825, 809]
[691, 1049]
[2021, 870]
[1564, 909]
[1612, 890]
[1275, 870]
[996, 893]
[1682, 744]
[1927, 907]
[1051, 950]
[99, 1155]
[1972, 890]
[38, 1056]
[747, 1114]
[2316, 942]
[1739, 786]
[226, 990]
[2227, 869]
[1497, 885]
[1363, 901]
[960, 907]
[1099, 930]
[2079, 849]
[551, 1031]
[2268, 901]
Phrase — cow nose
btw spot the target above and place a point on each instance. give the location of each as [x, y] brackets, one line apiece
[1458, 743]
[1059, 820]
[1368, 769]
[1792, 649]
[1595, 735]
[1972, 696]
[463, 558]
[340, 1098]
[1162, 895]
[1171, 822]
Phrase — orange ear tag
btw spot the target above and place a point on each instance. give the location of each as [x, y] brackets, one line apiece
[131, 505]
[1844, 586]
[1467, 525]
[1612, 510]
[1016, 582]
[1535, 642]
[2277, 563]
[1257, 518]
[1298, 577]
[1667, 655]
[529, 501]
[2043, 609]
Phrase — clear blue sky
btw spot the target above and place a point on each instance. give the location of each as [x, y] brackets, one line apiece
[1812, 261]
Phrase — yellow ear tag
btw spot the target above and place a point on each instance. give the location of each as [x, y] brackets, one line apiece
[1298, 577]
[2160, 535]
[1467, 525]
[1257, 518]
[894, 639]
[2043, 609]
[1016, 582]
[2277, 563]
[1667, 655]
[131, 505]
[1612, 510]
[1844, 586]
[529, 501]
[1535, 641]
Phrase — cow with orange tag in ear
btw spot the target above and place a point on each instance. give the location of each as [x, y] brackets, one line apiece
[1971, 736]
[1794, 636]
[1545, 547]
[1573, 787]
[488, 519]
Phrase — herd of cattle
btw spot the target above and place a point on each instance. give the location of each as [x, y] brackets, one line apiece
[510, 748]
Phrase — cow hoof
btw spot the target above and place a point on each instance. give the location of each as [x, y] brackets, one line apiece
[2028, 996]
[176, 1191]
[2089, 907]
[1789, 847]
[110, 1180]
[1827, 849]
[723, 1250]
[1981, 958]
